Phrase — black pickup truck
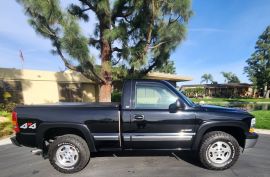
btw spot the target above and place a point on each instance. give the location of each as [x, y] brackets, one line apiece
[152, 115]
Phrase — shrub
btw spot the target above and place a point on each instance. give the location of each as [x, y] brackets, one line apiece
[116, 96]
[6, 127]
[9, 106]
[195, 92]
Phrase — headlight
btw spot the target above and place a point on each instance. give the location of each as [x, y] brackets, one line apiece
[252, 125]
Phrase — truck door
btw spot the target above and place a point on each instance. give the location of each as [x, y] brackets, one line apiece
[152, 126]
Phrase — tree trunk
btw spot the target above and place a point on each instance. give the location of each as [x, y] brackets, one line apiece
[266, 92]
[106, 88]
[106, 66]
[105, 93]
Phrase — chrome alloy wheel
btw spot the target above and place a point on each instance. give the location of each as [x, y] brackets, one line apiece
[67, 156]
[219, 152]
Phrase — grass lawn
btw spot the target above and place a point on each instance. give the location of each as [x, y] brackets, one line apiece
[6, 127]
[262, 119]
[228, 100]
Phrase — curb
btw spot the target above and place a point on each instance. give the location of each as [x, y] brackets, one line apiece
[5, 141]
[262, 131]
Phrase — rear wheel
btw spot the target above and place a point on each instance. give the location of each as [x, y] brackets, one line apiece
[219, 150]
[69, 153]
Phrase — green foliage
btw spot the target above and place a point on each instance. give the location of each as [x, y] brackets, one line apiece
[230, 77]
[6, 96]
[8, 106]
[148, 30]
[6, 127]
[258, 69]
[194, 92]
[5, 113]
[136, 35]
[73, 42]
[168, 67]
[119, 73]
[116, 96]
[206, 78]
[52, 22]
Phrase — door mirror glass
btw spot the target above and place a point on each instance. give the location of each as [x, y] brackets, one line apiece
[177, 105]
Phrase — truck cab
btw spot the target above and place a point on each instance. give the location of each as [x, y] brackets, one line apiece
[151, 116]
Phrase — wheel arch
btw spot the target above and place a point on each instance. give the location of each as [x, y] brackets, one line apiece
[50, 129]
[235, 128]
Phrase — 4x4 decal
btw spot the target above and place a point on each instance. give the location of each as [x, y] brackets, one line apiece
[29, 125]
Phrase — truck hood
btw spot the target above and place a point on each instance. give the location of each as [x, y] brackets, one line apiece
[213, 108]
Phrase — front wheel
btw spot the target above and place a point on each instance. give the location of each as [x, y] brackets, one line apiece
[69, 153]
[219, 150]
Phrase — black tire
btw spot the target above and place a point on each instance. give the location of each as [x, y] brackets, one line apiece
[210, 140]
[77, 144]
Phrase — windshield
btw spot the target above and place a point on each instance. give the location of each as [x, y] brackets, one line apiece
[188, 100]
[183, 96]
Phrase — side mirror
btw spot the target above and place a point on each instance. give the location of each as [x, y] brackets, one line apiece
[177, 105]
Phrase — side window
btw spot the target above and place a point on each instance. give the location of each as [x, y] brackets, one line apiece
[153, 97]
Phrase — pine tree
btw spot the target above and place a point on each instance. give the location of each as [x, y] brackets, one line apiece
[258, 69]
[135, 35]
[167, 67]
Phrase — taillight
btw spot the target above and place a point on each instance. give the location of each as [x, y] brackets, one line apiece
[15, 122]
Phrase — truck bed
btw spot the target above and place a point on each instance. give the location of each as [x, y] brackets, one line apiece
[98, 117]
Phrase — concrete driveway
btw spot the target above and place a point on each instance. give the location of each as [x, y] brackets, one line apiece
[15, 161]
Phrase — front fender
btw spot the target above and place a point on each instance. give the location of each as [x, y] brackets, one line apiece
[44, 127]
[215, 124]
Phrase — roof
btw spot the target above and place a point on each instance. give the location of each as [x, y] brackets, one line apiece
[168, 77]
[72, 76]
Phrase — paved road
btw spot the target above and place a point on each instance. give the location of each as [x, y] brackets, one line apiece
[15, 161]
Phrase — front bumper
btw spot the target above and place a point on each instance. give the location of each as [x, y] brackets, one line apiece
[15, 141]
[251, 140]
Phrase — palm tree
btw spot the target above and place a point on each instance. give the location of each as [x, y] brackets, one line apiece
[230, 77]
[226, 75]
[206, 78]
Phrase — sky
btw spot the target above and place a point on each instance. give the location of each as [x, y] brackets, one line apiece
[221, 35]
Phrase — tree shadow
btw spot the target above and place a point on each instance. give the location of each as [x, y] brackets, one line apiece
[187, 156]
[12, 85]
[74, 87]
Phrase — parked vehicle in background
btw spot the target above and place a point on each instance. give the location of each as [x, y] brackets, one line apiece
[152, 115]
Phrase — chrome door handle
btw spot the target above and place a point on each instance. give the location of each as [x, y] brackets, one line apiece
[139, 117]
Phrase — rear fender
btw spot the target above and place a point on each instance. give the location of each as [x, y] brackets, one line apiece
[44, 127]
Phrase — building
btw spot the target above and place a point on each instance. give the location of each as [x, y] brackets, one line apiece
[34, 87]
[228, 90]
[38, 87]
